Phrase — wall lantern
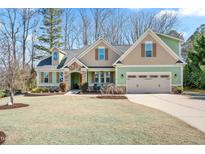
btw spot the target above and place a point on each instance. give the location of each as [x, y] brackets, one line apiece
[122, 75]
[175, 75]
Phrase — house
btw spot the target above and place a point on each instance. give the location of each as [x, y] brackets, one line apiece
[153, 64]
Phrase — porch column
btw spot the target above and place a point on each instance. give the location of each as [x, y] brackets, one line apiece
[84, 77]
[67, 79]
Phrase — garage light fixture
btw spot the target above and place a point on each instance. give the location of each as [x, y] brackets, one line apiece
[122, 75]
[175, 75]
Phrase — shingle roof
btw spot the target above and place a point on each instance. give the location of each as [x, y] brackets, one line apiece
[47, 61]
[70, 54]
[122, 48]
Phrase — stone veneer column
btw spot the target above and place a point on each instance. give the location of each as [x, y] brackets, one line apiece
[67, 79]
[84, 77]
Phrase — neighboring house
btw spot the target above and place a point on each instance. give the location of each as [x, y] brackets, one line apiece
[152, 64]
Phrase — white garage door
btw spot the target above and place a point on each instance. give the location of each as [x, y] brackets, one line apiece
[148, 82]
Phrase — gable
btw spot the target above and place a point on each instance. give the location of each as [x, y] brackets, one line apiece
[60, 55]
[89, 58]
[163, 57]
[174, 44]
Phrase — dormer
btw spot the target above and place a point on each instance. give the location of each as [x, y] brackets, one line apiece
[57, 55]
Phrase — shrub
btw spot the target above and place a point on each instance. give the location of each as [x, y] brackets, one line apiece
[36, 90]
[178, 90]
[45, 90]
[84, 87]
[62, 86]
[2, 94]
[40, 90]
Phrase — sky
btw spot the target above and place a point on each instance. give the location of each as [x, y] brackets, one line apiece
[189, 18]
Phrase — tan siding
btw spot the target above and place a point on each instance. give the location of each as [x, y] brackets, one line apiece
[89, 58]
[162, 56]
[60, 57]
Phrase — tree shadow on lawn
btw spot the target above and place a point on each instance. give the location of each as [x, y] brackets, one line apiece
[196, 96]
[14, 106]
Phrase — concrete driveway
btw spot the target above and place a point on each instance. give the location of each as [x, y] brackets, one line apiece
[189, 108]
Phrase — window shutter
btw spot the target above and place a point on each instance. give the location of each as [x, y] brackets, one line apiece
[106, 53]
[93, 77]
[50, 77]
[142, 50]
[96, 54]
[154, 49]
[111, 77]
[42, 77]
[57, 77]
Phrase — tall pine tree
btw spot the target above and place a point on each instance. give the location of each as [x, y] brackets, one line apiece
[51, 30]
[194, 71]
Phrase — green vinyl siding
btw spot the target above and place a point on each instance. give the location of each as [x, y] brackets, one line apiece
[172, 43]
[174, 70]
[89, 77]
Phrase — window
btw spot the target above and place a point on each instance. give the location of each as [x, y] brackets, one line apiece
[131, 76]
[153, 76]
[61, 76]
[148, 49]
[102, 77]
[142, 76]
[45, 77]
[107, 74]
[101, 53]
[96, 77]
[55, 55]
[164, 76]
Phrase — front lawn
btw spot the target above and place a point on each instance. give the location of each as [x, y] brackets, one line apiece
[84, 120]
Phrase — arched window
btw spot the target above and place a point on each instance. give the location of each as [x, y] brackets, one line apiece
[55, 55]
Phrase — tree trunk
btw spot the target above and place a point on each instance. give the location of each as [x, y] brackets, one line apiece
[11, 97]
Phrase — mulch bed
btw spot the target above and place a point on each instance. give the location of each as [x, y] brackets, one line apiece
[16, 105]
[44, 94]
[2, 137]
[111, 97]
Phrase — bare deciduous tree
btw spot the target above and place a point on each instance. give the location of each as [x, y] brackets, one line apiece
[140, 21]
[9, 65]
[99, 17]
[26, 16]
[85, 20]
[11, 27]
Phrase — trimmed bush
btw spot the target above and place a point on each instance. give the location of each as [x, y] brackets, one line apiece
[178, 90]
[62, 87]
[40, 90]
[84, 87]
[2, 94]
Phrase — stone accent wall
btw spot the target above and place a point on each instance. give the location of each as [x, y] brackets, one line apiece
[74, 67]
[67, 79]
[84, 77]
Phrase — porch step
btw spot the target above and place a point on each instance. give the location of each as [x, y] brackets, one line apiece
[73, 92]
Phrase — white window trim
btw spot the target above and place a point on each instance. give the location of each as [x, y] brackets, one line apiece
[44, 77]
[54, 56]
[148, 42]
[104, 76]
[99, 53]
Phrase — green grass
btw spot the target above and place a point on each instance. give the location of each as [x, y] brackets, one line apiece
[2, 94]
[84, 120]
[194, 90]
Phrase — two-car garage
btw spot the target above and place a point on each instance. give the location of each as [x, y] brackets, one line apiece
[148, 82]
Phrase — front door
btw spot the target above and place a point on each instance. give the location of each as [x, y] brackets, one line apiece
[76, 79]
